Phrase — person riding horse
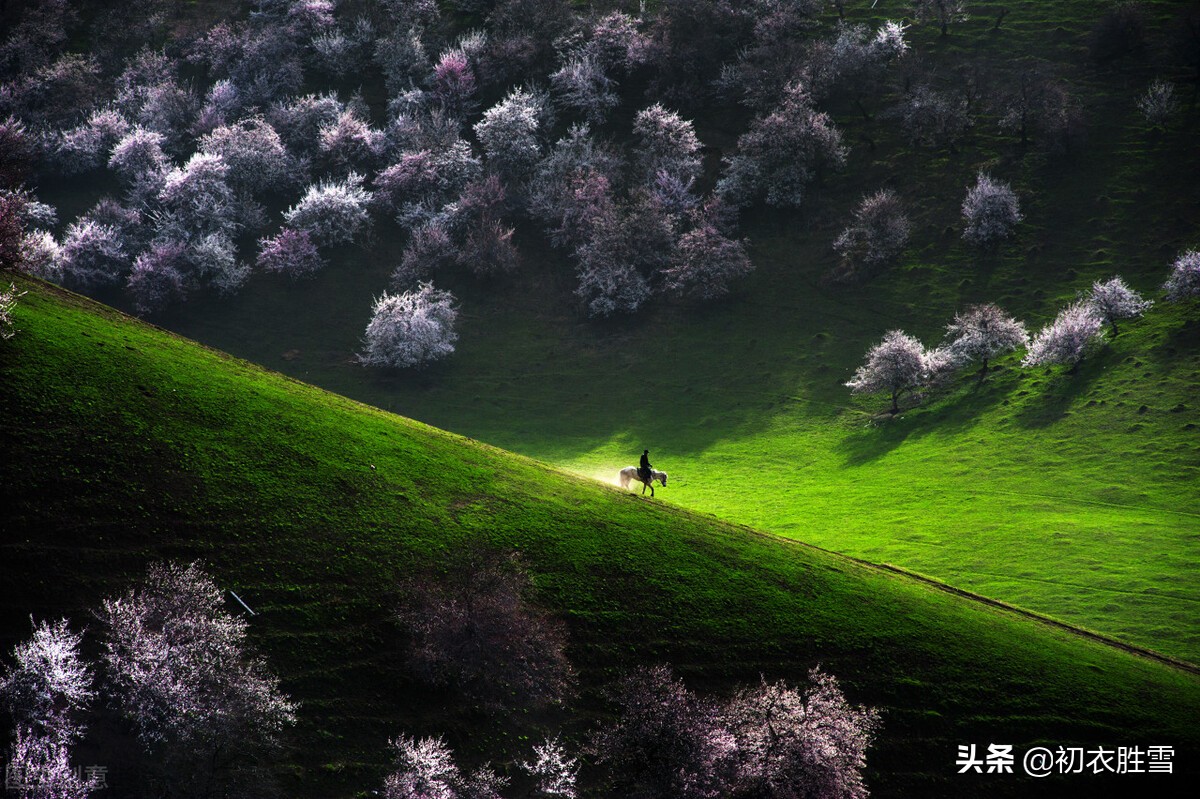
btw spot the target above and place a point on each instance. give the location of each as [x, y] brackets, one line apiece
[644, 468]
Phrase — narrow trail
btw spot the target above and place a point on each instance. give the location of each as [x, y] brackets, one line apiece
[1150, 654]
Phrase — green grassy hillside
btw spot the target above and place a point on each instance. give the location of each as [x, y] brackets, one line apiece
[124, 443]
[1072, 495]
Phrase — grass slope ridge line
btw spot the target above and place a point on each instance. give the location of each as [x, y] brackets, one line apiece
[1083, 632]
[1113, 642]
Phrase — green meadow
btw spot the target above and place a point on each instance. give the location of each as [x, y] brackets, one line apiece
[131, 444]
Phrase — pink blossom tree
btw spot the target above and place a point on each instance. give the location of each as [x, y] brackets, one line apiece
[665, 740]
[983, 332]
[991, 210]
[782, 154]
[1183, 282]
[158, 276]
[793, 743]
[453, 83]
[290, 252]
[1076, 330]
[705, 262]
[476, 628]
[349, 143]
[1114, 300]
[179, 668]
[876, 235]
[897, 364]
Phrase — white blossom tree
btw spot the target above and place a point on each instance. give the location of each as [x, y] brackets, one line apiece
[213, 258]
[1068, 339]
[403, 58]
[606, 265]
[666, 142]
[41, 766]
[1114, 300]
[934, 118]
[93, 254]
[179, 668]
[581, 84]
[617, 44]
[41, 256]
[254, 154]
[991, 210]
[897, 364]
[1183, 283]
[877, 233]
[198, 199]
[84, 147]
[49, 686]
[410, 329]
[139, 153]
[1159, 103]
[425, 769]
[299, 120]
[553, 770]
[8, 301]
[333, 212]
[983, 332]
[509, 133]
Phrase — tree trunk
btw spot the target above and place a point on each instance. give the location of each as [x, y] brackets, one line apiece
[895, 406]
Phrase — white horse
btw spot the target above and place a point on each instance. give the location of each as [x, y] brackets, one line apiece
[630, 473]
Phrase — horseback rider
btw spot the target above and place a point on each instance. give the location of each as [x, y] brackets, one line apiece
[644, 468]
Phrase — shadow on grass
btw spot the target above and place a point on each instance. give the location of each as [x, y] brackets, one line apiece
[1051, 398]
[947, 412]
